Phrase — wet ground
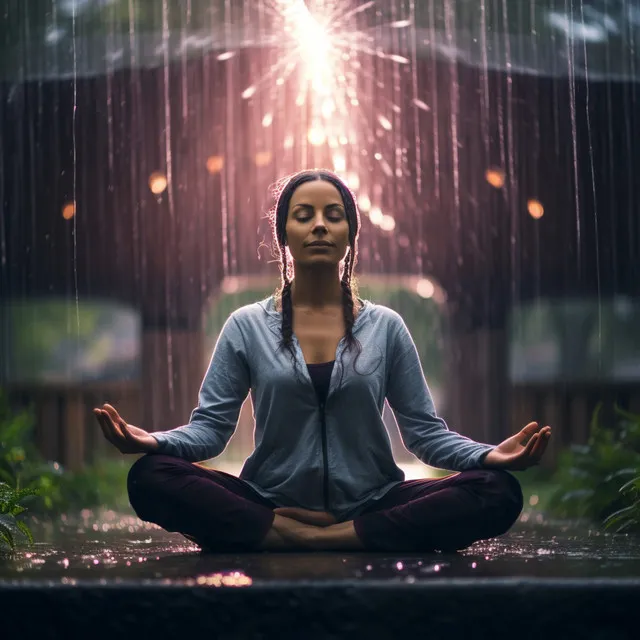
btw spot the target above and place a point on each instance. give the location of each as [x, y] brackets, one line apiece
[109, 548]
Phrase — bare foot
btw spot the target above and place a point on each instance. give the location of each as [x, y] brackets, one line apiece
[307, 516]
[296, 534]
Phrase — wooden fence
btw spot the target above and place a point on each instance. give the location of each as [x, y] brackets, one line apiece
[66, 430]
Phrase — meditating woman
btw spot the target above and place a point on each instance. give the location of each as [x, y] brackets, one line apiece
[319, 363]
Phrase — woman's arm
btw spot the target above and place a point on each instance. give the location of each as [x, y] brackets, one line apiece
[424, 433]
[224, 389]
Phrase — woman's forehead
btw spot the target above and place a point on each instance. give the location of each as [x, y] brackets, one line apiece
[314, 191]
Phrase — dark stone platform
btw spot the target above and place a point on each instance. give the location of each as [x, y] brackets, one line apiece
[111, 574]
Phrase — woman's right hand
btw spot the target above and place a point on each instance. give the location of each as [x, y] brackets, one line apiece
[125, 437]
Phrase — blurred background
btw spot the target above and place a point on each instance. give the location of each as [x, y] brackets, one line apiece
[493, 148]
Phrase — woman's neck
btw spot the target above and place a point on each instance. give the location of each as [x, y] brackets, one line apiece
[317, 303]
[315, 293]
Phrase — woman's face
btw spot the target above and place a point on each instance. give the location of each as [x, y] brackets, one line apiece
[316, 214]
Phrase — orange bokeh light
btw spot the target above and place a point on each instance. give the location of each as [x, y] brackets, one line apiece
[215, 164]
[535, 208]
[157, 182]
[495, 177]
[263, 158]
[69, 210]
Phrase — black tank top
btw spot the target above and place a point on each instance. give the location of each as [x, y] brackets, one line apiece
[320, 376]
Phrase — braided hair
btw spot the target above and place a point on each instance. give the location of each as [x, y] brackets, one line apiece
[348, 281]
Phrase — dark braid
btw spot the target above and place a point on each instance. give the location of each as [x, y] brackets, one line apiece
[347, 282]
[287, 308]
[348, 307]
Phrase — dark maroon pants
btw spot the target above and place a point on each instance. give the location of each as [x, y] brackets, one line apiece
[223, 513]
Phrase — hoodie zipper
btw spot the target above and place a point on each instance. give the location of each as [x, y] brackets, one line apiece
[325, 460]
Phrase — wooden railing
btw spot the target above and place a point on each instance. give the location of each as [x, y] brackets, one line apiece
[65, 429]
[569, 407]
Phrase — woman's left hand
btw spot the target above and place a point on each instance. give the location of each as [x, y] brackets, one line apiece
[512, 454]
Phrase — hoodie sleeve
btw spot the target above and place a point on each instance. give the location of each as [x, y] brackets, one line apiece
[424, 433]
[224, 389]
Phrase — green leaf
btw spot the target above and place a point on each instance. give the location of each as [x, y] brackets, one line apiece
[634, 481]
[7, 535]
[632, 417]
[25, 530]
[618, 513]
[621, 472]
[577, 494]
[6, 539]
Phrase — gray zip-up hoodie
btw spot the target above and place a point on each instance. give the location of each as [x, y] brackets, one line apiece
[334, 457]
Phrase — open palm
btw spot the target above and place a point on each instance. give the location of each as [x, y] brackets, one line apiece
[513, 454]
[125, 437]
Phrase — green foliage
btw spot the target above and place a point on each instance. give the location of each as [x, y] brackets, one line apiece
[601, 480]
[24, 474]
[11, 506]
[100, 484]
[15, 429]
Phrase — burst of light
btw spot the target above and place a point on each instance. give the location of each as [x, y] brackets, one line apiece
[319, 66]
[69, 210]
[495, 177]
[319, 47]
[214, 164]
[157, 182]
[314, 41]
[425, 288]
[535, 208]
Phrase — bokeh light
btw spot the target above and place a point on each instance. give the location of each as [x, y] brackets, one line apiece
[535, 208]
[425, 288]
[157, 182]
[376, 215]
[263, 158]
[495, 177]
[387, 223]
[215, 164]
[364, 203]
[69, 210]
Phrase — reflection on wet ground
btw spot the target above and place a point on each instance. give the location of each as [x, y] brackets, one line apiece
[111, 548]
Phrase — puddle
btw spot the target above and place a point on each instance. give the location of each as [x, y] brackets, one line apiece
[108, 547]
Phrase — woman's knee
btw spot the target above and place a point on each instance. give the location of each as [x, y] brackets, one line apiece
[506, 494]
[143, 478]
[145, 469]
